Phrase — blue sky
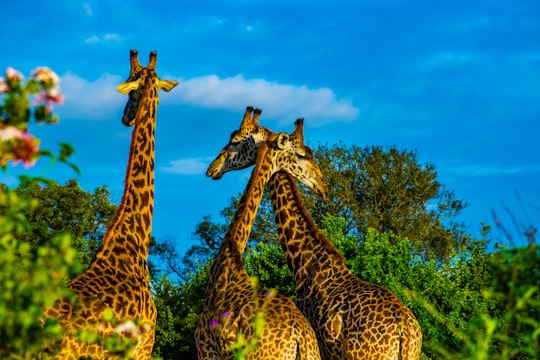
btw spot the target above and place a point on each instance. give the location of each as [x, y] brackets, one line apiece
[459, 81]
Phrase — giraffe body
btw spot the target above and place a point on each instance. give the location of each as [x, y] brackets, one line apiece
[232, 299]
[352, 318]
[118, 277]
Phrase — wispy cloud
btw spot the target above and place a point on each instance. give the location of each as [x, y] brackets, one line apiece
[103, 38]
[90, 100]
[281, 101]
[188, 166]
[492, 170]
[454, 58]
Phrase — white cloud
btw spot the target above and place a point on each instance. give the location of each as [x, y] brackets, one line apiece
[103, 38]
[90, 100]
[111, 37]
[92, 39]
[98, 99]
[188, 166]
[281, 101]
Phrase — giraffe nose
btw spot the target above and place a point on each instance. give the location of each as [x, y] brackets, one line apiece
[214, 172]
[323, 191]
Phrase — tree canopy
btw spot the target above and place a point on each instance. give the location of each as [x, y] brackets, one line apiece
[389, 190]
[68, 209]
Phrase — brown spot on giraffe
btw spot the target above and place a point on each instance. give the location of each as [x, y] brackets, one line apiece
[352, 318]
[232, 299]
[118, 277]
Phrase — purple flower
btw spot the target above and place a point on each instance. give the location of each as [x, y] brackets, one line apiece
[213, 323]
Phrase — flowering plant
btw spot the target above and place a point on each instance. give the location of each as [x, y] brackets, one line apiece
[17, 144]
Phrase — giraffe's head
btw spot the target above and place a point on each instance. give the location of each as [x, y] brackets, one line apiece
[292, 156]
[244, 144]
[142, 81]
[241, 150]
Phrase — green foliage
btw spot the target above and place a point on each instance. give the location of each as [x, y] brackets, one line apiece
[464, 305]
[389, 190]
[210, 236]
[121, 337]
[16, 108]
[32, 278]
[267, 264]
[68, 209]
[179, 307]
[243, 346]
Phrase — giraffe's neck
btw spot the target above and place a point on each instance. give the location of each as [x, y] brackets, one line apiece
[131, 227]
[229, 257]
[305, 247]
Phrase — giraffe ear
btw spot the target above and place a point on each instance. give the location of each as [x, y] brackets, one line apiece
[282, 141]
[127, 86]
[167, 85]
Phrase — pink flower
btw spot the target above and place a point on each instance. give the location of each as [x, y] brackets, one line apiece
[53, 95]
[10, 132]
[26, 150]
[47, 98]
[13, 75]
[3, 86]
[226, 314]
[18, 145]
[45, 75]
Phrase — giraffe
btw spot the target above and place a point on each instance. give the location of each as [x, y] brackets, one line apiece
[352, 318]
[232, 300]
[118, 277]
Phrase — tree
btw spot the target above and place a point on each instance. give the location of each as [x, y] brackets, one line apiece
[32, 278]
[389, 190]
[68, 209]
[179, 306]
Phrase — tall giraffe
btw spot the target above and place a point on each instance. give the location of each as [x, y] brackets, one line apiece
[232, 300]
[118, 277]
[352, 318]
